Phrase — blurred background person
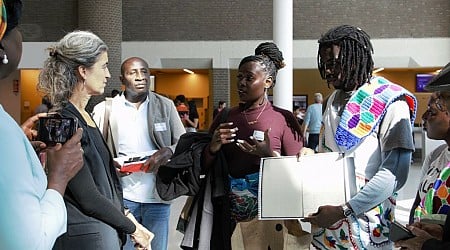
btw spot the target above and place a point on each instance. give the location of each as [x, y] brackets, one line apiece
[191, 120]
[44, 107]
[299, 114]
[220, 106]
[313, 122]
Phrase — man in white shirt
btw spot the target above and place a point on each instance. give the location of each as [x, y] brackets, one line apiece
[142, 123]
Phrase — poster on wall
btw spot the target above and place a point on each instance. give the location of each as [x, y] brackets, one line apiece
[300, 101]
[297, 101]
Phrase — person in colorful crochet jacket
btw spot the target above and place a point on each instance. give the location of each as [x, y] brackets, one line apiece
[369, 120]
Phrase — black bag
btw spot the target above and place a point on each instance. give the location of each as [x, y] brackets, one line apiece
[182, 174]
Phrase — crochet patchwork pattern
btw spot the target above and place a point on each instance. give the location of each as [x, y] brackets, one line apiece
[366, 109]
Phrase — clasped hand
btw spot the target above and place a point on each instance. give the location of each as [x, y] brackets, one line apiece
[423, 232]
[141, 236]
[325, 216]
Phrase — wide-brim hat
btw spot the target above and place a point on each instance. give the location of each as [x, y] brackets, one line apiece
[440, 82]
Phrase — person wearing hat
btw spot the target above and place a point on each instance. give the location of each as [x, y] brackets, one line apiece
[435, 172]
[441, 81]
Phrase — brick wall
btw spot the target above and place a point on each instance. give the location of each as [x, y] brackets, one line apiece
[175, 20]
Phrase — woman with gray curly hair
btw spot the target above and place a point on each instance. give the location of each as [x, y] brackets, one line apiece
[77, 69]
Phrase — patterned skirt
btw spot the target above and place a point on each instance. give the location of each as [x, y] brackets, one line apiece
[244, 197]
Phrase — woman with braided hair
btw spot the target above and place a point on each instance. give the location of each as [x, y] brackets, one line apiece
[369, 119]
[250, 131]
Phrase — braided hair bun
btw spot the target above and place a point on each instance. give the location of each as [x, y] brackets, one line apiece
[272, 51]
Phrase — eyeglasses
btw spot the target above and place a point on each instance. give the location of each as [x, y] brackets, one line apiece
[431, 111]
[439, 106]
[330, 65]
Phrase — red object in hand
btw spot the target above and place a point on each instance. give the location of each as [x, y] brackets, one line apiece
[134, 166]
[131, 167]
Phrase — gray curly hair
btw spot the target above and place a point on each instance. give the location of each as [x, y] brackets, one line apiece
[58, 77]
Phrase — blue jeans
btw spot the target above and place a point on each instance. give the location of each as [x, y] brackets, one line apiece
[153, 216]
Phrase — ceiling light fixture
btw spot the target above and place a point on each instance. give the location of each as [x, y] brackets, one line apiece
[377, 70]
[188, 71]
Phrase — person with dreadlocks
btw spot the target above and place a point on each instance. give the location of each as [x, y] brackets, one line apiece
[250, 131]
[369, 120]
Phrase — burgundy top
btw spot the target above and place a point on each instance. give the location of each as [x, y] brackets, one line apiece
[285, 136]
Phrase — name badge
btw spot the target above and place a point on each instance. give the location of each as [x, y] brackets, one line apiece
[258, 135]
[160, 126]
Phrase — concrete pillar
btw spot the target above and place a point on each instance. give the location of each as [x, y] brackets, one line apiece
[220, 90]
[283, 37]
[104, 18]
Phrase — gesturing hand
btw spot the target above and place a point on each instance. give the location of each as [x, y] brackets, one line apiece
[223, 134]
[260, 147]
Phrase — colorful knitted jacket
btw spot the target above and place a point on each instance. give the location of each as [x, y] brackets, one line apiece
[366, 108]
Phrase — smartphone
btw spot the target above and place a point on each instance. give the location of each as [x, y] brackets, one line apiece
[52, 130]
[399, 232]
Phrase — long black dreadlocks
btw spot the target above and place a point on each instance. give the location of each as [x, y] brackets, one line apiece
[355, 55]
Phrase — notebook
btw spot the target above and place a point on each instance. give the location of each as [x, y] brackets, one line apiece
[291, 188]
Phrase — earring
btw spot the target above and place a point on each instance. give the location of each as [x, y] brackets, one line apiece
[5, 59]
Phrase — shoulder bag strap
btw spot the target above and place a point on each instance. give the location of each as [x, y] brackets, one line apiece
[108, 106]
